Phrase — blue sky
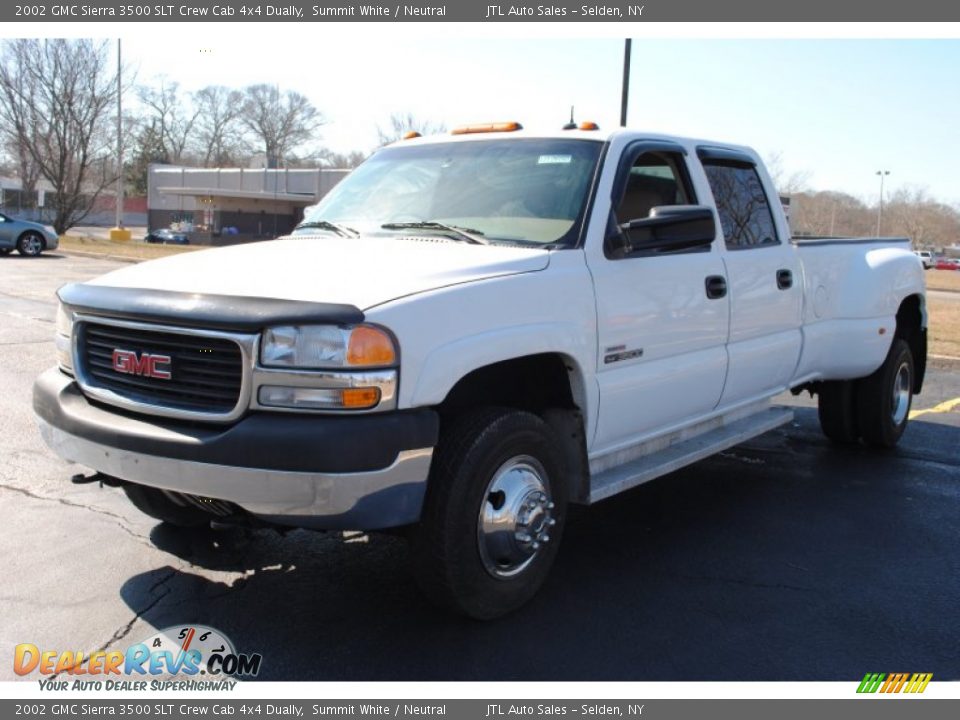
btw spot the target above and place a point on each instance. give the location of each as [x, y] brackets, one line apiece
[837, 109]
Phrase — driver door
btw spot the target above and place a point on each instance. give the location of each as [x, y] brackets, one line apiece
[662, 317]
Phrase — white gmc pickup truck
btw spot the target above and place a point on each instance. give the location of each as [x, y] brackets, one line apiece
[471, 332]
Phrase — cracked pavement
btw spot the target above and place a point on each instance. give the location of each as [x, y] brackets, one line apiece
[784, 558]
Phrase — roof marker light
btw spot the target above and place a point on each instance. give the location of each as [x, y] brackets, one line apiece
[487, 128]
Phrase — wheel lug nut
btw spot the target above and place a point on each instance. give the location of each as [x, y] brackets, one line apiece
[544, 539]
[536, 545]
[550, 506]
[553, 521]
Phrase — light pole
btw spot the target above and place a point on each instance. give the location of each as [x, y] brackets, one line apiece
[882, 174]
[119, 232]
[625, 90]
[119, 142]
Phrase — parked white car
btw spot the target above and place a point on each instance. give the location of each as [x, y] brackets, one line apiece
[471, 332]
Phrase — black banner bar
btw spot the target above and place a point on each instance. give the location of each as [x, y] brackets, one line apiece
[483, 11]
[146, 708]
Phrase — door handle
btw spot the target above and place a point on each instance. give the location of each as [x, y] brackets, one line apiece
[784, 279]
[716, 286]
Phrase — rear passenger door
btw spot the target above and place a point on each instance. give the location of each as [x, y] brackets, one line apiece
[763, 274]
[662, 326]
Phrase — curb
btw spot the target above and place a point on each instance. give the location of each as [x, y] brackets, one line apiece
[945, 362]
[101, 256]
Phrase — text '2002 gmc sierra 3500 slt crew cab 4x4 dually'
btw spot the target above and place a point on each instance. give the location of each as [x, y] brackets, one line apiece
[471, 332]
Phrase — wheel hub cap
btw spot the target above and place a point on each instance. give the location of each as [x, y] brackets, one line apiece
[515, 517]
[901, 394]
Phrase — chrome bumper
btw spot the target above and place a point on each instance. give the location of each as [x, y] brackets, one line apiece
[365, 500]
[326, 473]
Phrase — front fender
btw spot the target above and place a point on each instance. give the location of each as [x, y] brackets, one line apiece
[445, 365]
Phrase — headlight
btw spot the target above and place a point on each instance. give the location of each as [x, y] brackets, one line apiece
[327, 346]
[62, 340]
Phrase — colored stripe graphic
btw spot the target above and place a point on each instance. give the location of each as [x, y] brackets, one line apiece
[890, 683]
[919, 682]
[894, 682]
[871, 682]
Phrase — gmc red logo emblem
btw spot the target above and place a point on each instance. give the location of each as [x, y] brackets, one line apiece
[145, 364]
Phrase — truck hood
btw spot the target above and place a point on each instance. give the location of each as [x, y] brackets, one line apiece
[362, 272]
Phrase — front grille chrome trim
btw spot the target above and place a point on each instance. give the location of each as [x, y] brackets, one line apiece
[249, 350]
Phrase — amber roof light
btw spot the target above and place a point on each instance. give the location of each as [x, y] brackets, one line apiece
[487, 128]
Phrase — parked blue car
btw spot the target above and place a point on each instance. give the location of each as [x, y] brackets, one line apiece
[27, 238]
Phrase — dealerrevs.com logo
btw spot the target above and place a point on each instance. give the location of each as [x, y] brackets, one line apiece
[894, 683]
[196, 656]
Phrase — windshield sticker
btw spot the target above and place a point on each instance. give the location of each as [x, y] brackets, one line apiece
[554, 159]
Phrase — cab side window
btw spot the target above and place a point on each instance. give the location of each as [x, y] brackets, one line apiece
[742, 204]
[656, 179]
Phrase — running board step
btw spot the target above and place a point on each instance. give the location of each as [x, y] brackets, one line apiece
[648, 467]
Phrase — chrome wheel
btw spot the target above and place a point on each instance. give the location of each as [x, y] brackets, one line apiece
[30, 244]
[516, 515]
[900, 404]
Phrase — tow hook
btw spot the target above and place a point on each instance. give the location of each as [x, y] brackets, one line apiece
[108, 480]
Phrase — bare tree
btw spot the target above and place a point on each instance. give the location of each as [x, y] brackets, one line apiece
[58, 98]
[174, 118]
[147, 150]
[787, 183]
[402, 123]
[280, 123]
[831, 213]
[914, 213]
[332, 159]
[218, 124]
[25, 167]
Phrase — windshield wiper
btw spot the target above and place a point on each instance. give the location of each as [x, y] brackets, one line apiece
[339, 229]
[458, 233]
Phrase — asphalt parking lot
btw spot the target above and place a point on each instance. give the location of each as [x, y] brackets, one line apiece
[786, 558]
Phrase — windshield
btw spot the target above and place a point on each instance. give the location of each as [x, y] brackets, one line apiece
[518, 190]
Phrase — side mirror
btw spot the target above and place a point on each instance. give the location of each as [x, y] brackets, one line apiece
[671, 228]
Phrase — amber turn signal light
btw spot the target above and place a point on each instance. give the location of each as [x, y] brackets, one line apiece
[370, 346]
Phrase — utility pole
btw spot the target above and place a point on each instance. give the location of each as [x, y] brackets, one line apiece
[118, 232]
[625, 93]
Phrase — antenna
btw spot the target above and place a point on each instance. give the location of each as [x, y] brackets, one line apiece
[570, 125]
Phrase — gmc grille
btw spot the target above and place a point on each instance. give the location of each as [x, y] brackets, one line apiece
[206, 373]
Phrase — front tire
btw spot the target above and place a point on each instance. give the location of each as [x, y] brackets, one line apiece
[884, 398]
[30, 244]
[160, 506]
[493, 515]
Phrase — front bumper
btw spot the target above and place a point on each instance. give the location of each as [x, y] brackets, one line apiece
[364, 472]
